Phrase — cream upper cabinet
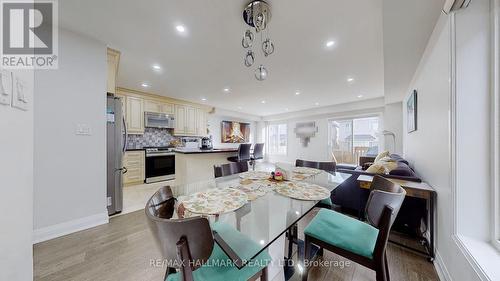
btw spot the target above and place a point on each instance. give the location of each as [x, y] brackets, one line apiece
[180, 120]
[201, 118]
[152, 106]
[135, 115]
[168, 108]
[113, 60]
[191, 122]
[186, 123]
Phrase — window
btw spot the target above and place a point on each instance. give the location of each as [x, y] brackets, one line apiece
[277, 139]
[351, 138]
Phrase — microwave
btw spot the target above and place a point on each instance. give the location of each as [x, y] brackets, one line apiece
[159, 120]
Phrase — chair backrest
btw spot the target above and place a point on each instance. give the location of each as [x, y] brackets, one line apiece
[382, 208]
[383, 192]
[230, 169]
[258, 151]
[168, 232]
[325, 166]
[244, 152]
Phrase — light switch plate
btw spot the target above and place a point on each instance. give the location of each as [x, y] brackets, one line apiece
[83, 130]
[20, 93]
[5, 87]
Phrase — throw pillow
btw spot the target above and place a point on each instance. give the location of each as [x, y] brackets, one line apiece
[376, 168]
[381, 155]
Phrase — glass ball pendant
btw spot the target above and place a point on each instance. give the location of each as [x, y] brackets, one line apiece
[249, 58]
[261, 73]
[267, 47]
[247, 40]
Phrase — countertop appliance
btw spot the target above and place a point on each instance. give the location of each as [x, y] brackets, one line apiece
[115, 147]
[206, 143]
[160, 164]
[158, 120]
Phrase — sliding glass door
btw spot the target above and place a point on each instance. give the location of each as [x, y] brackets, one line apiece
[351, 138]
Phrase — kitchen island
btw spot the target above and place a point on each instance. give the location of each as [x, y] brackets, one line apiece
[194, 165]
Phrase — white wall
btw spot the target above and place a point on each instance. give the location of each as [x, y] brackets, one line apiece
[393, 122]
[70, 170]
[16, 188]
[428, 148]
[214, 126]
[317, 149]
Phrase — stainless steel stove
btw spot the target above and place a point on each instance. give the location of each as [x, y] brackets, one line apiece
[160, 164]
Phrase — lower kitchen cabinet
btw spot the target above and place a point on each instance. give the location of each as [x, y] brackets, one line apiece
[134, 161]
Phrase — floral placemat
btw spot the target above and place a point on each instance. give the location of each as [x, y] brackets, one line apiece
[302, 191]
[215, 201]
[255, 188]
[306, 170]
[255, 175]
[300, 177]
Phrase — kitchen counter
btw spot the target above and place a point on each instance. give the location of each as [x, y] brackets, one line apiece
[194, 165]
[202, 151]
[134, 149]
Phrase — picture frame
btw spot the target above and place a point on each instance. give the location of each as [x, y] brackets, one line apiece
[235, 132]
[411, 112]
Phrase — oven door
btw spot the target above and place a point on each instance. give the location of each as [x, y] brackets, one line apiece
[160, 167]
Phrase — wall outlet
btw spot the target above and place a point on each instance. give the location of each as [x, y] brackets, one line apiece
[83, 130]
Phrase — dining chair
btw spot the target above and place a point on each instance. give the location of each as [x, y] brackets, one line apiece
[243, 153]
[258, 154]
[324, 166]
[363, 243]
[230, 169]
[191, 245]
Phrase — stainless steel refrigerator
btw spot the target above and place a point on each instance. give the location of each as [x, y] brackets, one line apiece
[116, 144]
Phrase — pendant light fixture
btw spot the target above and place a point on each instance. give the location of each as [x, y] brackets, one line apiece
[257, 15]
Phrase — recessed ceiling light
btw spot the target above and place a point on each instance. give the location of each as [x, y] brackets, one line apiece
[262, 242]
[350, 79]
[330, 43]
[316, 103]
[203, 99]
[297, 93]
[156, 67]
[239, 107]
[145, 85]
[226, 90]
[180, 28]
[263, 101]
[286, 109]
[360, 96]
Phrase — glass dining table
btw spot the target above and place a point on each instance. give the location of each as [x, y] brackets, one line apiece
[265, 219]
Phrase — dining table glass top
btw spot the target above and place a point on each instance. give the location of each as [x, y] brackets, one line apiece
[263, 218]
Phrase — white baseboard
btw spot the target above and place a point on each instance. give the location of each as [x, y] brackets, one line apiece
[61, 229]
[441, 269]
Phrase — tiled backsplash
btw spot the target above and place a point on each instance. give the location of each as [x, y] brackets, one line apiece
[151, 137]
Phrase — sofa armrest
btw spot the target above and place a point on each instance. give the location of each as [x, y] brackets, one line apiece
[357, 173]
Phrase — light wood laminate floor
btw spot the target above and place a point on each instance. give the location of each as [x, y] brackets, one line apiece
[123, 249]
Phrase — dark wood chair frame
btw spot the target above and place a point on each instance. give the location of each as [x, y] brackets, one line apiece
[230, 169]
[379, 262]
[166, 231]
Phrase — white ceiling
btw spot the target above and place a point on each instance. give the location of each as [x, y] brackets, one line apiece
[209, 57]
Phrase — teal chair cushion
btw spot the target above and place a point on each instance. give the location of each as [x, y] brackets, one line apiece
[327, 202]
[343, 232]
[219, 265]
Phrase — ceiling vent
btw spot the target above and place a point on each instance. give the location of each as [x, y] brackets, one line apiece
[453, 5]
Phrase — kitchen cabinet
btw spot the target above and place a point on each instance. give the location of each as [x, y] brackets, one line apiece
[152, 106]
[180, 120]
[186, 123]
[201, 119]
[158, 107]
[135, 115]
[113, 61]
[134, 161]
